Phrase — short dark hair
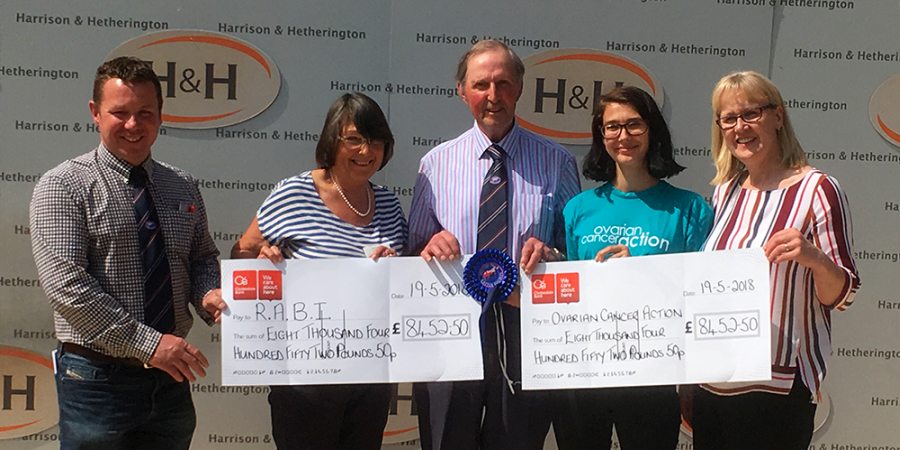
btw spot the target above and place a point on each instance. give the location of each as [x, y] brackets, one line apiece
[363, 112]
[487, 45]
[599, 166]
[128, 69]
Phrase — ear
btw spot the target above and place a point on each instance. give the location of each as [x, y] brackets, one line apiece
[779, 117]
[460, 91]
[95, 111]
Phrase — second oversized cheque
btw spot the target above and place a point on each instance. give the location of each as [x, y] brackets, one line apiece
[653, 320]
[347, 320]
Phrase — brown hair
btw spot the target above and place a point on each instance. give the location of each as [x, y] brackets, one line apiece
[363, 112]
[128, 69]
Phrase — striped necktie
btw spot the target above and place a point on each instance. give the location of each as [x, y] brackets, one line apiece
[158, 308]
[493, 210]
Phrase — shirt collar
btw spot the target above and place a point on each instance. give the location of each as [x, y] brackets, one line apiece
[119, 166]
[509, 143]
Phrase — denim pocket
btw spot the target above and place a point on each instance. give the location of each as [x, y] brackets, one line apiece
[73, 367]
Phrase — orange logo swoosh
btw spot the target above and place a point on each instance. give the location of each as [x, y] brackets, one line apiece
[16, 427]
[396, 432]
[551, 132]
[217, 41]
[196, 119]
[893, 134]
[28, 356]
[607, 59]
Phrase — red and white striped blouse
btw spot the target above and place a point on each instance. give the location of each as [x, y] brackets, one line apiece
[801, 326]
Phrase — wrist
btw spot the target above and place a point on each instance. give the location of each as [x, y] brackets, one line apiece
[554, 255]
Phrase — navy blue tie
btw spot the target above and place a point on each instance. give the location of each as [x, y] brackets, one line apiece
[159, 311]
[493, 233]
[493, 211]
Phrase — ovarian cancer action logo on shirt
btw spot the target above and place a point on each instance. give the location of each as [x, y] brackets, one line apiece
[625, 235]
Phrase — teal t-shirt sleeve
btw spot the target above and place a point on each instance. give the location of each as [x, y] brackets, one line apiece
[699, 224]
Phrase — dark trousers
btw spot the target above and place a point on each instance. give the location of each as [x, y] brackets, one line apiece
[110, 405]
[754, 421]
[645, 418]
[329, 417]
[470, 415]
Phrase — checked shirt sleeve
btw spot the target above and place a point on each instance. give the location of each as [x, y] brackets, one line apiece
[205, 275]
[60, 243]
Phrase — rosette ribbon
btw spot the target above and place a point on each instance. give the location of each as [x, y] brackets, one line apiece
[490, 276]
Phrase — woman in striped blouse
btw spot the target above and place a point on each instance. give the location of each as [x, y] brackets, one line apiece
[332, 211]
[768, 196]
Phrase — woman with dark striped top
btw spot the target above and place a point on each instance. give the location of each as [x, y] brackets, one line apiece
[768, 196]
[332, 211]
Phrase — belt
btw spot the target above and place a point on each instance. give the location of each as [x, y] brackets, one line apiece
[80, 350]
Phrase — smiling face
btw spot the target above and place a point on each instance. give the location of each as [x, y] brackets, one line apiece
[491, 90]
[128, 116]
[356, 165]
[628, 152]
[753, 144]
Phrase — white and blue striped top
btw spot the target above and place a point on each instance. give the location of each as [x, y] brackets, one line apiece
[296, 219]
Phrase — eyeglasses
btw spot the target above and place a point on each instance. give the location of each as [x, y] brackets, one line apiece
[354, 142]
[751, 115]
[634, 127]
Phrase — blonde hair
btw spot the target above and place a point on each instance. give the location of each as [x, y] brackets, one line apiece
[757, 88]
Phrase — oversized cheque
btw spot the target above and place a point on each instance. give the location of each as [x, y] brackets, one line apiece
[667, 319]
[347, 320]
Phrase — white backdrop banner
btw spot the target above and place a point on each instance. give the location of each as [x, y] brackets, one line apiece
[834, 61]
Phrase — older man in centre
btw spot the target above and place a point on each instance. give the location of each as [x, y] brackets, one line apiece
[496, 186]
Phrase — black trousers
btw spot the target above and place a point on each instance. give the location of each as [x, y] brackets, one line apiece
[329, 417]
[645, 418]
[471, 415]
[754, 421]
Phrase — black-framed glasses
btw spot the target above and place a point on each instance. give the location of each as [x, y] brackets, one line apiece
[634, 127]
[751, 115]
[356, 142]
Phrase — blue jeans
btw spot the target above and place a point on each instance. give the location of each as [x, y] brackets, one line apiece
[117, 406]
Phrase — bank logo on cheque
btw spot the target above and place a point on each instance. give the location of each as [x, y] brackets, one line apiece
[28, 393]
[562, 86]
[555, 288]
[884, 109]
[209, 79]
[256, 285]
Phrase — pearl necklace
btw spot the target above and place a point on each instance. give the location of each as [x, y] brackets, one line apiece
[355, 211]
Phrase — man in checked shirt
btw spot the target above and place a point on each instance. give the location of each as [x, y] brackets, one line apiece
[120, 295]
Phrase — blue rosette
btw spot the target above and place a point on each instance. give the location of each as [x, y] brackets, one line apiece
[490, 276]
